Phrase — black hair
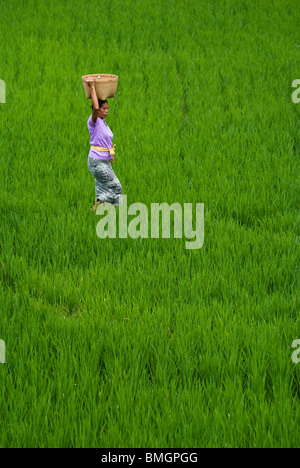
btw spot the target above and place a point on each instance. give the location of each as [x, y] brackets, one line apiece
[101, 102]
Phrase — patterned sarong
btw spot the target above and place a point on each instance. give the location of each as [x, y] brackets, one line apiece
[107, 186]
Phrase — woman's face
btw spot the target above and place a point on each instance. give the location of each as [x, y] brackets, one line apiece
[103, 111]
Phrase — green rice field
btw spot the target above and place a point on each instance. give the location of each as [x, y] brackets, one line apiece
[143, 343]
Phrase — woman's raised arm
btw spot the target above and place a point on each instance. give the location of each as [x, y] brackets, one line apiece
[91, 83]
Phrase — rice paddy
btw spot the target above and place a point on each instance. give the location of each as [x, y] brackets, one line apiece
[140, 342]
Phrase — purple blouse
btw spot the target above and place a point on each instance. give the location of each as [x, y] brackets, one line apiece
[101, 135]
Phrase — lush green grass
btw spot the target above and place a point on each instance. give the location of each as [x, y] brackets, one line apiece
[142, 343]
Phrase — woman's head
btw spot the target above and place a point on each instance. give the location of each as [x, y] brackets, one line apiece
[102, 102]
[103, 108]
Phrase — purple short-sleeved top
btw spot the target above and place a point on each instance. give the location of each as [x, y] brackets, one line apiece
[101, 135]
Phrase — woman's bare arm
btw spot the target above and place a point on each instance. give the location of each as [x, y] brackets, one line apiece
[95, 102]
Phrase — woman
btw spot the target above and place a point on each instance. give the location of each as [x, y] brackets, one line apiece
[107, 185]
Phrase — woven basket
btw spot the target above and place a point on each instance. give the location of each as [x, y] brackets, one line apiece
[105, 87]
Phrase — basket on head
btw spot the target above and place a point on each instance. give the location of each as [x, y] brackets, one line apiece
[105, 85]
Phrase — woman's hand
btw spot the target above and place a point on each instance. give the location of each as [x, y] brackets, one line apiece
[90, 81]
